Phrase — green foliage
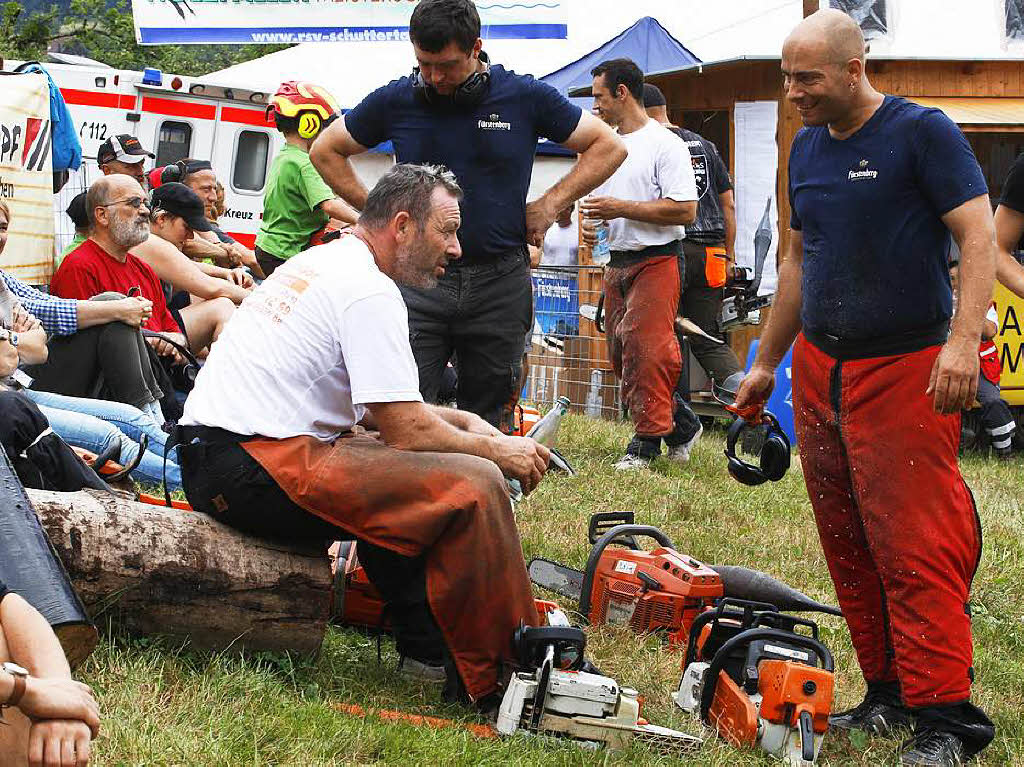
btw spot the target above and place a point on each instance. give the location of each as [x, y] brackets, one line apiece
[103, 30]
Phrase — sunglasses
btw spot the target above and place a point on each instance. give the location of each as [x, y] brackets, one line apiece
[131, 202]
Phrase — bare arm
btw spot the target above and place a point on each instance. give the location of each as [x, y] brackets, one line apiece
[131, 311]
[664, 212]
[783, 327]
[600, 151]
[954, 377]
[329, 155]
[1009, 230]
[339, 210]
[728, 202]
[32, 348]
[199, 248]
[419, 427]
[173, 266]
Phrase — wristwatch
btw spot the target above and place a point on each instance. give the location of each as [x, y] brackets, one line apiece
[9, 335]
[19, 675]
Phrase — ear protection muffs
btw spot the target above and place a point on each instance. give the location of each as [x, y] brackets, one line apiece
[775, 453]
[177, 172]
[469, 94]
[309, 124]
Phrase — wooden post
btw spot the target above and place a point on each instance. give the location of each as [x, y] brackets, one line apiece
[160, 571]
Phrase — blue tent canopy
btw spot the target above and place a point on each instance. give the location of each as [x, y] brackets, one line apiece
[647, 43]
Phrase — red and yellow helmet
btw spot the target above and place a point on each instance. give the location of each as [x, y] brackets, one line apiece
[311, 103]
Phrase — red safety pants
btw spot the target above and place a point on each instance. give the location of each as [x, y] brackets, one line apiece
[896, 520]
[640, 304]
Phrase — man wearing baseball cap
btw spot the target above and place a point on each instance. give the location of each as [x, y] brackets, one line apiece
[123, 154]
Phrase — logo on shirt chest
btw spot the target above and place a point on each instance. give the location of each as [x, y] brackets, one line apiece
[494, 122]
[863, 172]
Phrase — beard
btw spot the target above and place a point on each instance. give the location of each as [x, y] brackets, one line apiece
[415, 267]
[129, 232]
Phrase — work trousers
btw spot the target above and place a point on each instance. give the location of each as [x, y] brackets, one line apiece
[640, 305]
[702, 303]
[108, 361]
[996, 417]
[441, 519]
[896, 520]
[268, 262]
[481, 313]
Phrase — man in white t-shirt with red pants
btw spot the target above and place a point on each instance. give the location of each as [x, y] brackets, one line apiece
[646, 202]
[271, 444]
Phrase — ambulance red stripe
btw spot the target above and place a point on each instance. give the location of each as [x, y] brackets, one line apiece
[177, 108]
[95, 99]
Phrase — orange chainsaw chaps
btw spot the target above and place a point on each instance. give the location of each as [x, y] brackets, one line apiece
[732, 713]
[789, 688]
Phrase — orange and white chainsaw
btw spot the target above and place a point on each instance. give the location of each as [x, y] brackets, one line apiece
[761, 678]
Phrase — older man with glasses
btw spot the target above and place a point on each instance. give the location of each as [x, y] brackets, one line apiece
[118, 212]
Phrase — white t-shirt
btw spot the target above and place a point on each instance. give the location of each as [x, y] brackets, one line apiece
[657, 167]
[326, 334]
[562, 244]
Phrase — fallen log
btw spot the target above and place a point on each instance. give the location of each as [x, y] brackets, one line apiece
[159, 571]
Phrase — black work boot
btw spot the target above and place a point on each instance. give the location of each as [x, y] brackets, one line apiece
[947, 735]
[932, 748]
[880, 713]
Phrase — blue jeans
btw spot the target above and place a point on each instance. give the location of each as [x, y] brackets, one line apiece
[95, 425]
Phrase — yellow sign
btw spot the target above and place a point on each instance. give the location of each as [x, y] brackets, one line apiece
[1010, 342]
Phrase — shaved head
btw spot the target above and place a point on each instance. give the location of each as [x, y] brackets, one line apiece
[836, 34]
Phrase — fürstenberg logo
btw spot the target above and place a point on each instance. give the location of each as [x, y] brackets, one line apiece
[494, 123]
[859, 175]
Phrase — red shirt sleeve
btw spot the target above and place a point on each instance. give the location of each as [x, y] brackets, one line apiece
[74, 279]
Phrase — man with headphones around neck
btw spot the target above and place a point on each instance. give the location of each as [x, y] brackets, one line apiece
[297, 206]
[483, 122]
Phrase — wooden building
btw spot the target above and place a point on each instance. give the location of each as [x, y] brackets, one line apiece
[985, 97]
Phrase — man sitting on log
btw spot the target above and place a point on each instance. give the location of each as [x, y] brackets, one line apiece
[272, 444]
[51, 718]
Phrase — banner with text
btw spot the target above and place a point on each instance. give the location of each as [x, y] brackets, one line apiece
[326, 21]
[26, 179]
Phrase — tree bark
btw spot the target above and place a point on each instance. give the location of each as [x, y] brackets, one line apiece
[160, 571]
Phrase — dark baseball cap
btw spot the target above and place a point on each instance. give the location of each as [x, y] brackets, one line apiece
[123, 148]
[653, 97]
[177, 199]
[76, 211]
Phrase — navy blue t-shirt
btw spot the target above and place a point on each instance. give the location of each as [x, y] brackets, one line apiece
[490, 147]
[870, 208]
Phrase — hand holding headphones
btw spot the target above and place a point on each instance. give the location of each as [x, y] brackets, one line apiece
[775, 452]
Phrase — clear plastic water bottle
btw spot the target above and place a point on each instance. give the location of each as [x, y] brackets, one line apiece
[601, 253]
[545, 431]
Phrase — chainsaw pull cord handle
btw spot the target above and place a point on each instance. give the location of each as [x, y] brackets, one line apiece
[619, 531]
[707, 693]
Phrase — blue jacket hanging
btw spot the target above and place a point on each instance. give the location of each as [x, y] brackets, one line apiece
[67, 150]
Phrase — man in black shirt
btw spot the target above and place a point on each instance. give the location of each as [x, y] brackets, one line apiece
[483, 122]
[709, 243]
[1010, 229]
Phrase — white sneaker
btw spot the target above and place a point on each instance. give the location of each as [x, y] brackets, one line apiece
[630, 462]
[681, 453]
[419, 671]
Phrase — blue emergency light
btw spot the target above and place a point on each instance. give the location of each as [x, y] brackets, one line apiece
[151, 76]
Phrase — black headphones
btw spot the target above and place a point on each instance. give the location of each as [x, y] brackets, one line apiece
[774, 461]
[469, 94]
[178, 171]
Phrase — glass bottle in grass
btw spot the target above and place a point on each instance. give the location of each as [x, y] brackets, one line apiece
[545, 431]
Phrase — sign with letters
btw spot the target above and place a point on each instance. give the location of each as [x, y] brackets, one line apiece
[26, 178]
[199, 22]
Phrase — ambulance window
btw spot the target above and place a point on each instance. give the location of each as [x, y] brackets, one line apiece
[174, 142]
[250, 171]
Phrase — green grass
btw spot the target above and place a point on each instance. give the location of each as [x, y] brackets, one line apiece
[164, 705]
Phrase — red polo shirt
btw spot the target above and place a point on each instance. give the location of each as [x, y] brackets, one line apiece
[89, 270]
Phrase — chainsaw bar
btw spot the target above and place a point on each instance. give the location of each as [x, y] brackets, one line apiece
[566, 581]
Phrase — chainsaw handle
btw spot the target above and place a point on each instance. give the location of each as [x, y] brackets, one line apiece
[619, 531]
[707, 692]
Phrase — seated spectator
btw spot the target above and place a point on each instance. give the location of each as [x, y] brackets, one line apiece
[298, 205]
[76, 212]
[95, 349]
[426, 500]
[119, 221]
[562, 240]
[201, 179]
[48, 717]
[176, 213]
[123, 154]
